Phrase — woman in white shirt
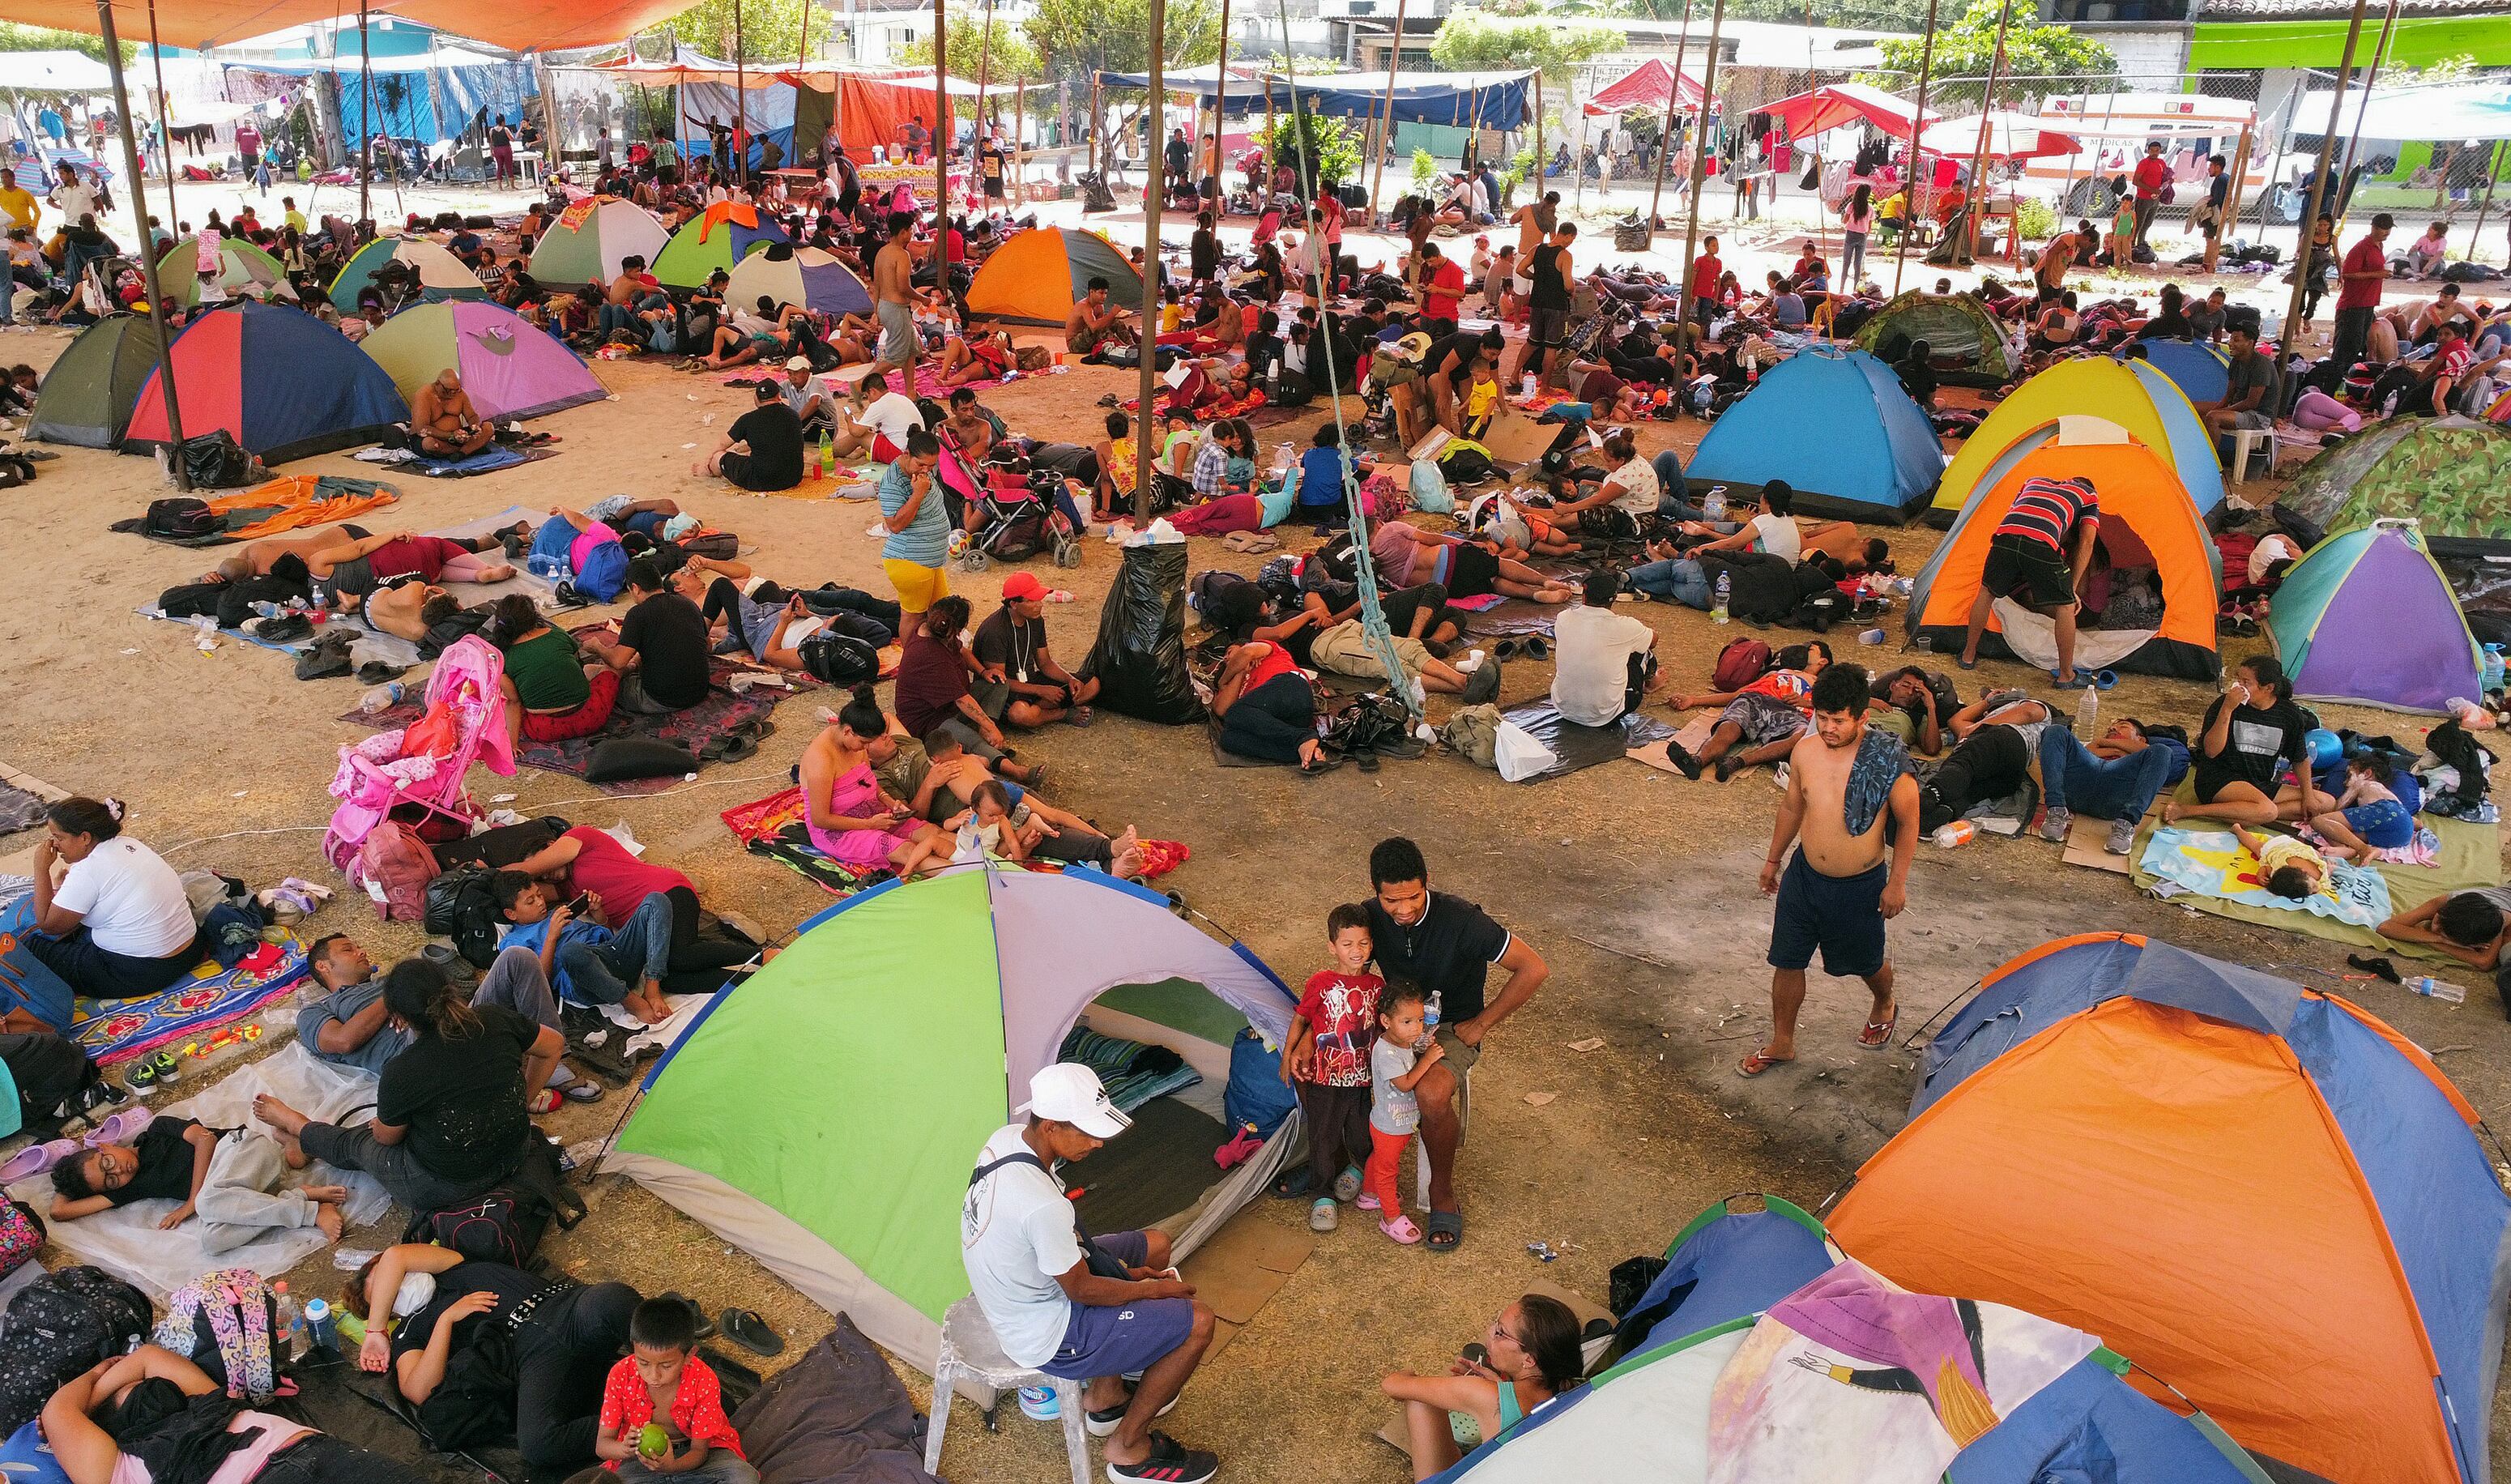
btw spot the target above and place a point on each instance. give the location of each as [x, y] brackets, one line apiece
[111, 917]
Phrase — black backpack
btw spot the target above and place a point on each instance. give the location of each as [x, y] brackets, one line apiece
[461, 904]
[841, 659]
[59, 1326]
[180, 518]
[504, 1225]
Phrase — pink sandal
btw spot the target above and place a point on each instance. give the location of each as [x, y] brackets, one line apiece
[1400, 1229]
[1368, 1202]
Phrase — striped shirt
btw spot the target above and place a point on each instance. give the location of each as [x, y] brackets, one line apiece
[1210, 469]
[2046, 509]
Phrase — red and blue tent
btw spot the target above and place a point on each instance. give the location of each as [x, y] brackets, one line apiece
[279, 381]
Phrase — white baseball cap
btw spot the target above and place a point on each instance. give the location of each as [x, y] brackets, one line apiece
[798, 363]
[1069, 1092]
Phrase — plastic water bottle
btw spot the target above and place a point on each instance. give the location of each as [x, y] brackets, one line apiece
[289, 1320]
[382, 698]
[1039, 1404]
[2438, 988]
[1430, 1013]
[1712, 505]
[320, 1331]
[1273, 379]
[1526, 384]
[2493, 668]
[1718, 610]
[828, 453]
[1959, 833]
[268, 609]
[2088, 713]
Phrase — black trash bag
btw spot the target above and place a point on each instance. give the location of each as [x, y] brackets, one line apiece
[215, 460]
[1140, 655]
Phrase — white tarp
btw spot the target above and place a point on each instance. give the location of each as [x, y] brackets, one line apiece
[52, 72]
[2453, 111]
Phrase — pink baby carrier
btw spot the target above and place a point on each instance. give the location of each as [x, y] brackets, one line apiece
[420, 772]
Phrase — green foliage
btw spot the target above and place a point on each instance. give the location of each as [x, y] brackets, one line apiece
[15, 37]
[1478, 41]
[2034, 219]
[2447, 70]
[1965, 49]
[1010, 60]
[1425, 170]
[1077, 36]
[770, 31]
[1331, 142]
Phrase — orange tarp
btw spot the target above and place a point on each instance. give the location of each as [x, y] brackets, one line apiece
[302, 506]
[2184, 1193]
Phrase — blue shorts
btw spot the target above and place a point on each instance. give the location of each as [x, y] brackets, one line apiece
[646, 522]
[1119, 1340]
[1841, 914]
[2384, 824]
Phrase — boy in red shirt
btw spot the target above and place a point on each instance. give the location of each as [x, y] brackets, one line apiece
[663, 1381]
[1326, 1061]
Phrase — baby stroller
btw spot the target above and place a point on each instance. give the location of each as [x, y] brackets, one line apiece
[1021, 518]
[418, 776]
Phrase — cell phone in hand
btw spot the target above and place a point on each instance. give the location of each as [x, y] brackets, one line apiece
[581, 904]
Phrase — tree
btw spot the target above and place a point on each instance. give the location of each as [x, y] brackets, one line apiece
[770, 30]
[1296, 137]
[1965, 48]
[1010, 60]
[1476, 41]
[1078, 37]
[15, 37]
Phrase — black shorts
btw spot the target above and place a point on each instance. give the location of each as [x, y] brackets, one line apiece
[1840, 914]
[994, 190]
[1471, 572]
[1547, 328]
[2021, 564]
[736, 468]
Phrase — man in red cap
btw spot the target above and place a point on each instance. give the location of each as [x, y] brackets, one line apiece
[1029, 686]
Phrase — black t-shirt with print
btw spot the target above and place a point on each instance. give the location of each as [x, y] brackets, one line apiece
[2259, 743]
[1449, 952]
[462, 1100]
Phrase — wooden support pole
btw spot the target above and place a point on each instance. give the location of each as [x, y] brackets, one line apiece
[1145, 442]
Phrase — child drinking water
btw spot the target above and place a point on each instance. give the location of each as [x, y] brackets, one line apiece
[663, 1382]
[983, 828]
[2368, 816]
[2289, 867]
[1326, 1061]
[1396, 1067]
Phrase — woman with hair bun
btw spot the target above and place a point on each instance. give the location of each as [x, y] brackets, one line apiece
[848, 815]
[111, 919]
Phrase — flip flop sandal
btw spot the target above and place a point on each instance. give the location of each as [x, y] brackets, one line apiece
[1868, 1037]
[1967, 664]
[1298, 1185]
[2377, 966]
[751, 1332]
[1326, 763]
[582, 1090]
[544, 1101]
[2081, 682]
[1448, 1224]
[1759, 1061]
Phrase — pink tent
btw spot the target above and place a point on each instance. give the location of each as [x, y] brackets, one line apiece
[2010, 136]
[1839, 105]
[1646, 86]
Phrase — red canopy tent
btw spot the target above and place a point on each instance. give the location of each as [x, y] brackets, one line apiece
[1650, 85]
[1839, 106]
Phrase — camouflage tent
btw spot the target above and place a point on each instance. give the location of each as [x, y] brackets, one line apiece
[2450, 475]
[1965, 344]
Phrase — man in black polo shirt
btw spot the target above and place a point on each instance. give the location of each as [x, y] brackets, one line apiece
[1445, 945]
[660, 651]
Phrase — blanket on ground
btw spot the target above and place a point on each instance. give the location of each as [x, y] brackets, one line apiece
[774, 827]
[118, 1029]
[2215, 864]
[292, 503]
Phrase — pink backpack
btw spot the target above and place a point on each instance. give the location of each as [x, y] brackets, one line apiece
[397, 863]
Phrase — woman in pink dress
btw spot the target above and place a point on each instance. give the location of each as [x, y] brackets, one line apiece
[848, 815]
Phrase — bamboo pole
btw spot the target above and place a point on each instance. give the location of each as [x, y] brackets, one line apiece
[1699, 155]
[740, 101]
[365, 126]
[1394, 60]
[1918, 124]
[2291, 332]
[2232, 204]
[1098, 127]
[2379, 54]
[1150, 328]
[1221, 111]
[941, 132]
[147, 255]
[985, 75]
[165, 134]
[1537, 196]
[1272, 157]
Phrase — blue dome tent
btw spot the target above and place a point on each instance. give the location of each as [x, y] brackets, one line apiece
[1836, 425]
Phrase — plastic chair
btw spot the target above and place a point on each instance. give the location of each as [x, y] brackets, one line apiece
[969, 1351]
[2245, 441]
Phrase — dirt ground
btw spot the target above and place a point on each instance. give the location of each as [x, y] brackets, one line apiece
[1636, 887]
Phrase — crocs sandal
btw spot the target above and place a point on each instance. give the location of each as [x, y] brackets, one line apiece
[1450, 1225]
[1402, 1229]
[38, 1159]
[1759, 1061]
[1324, 1215]
[751, 1332]
[1346, 1186]
[2083, 681]
[1368, 1202]
[1877, 1033]
[544, 1101]
[2108, 680]
[117, 1128]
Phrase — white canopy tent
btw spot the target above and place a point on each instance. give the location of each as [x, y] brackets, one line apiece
[52, 72]
[2463, 111]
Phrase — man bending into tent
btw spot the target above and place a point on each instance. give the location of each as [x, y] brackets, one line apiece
[447, 426]
[2041, 550]
[1088, 1309]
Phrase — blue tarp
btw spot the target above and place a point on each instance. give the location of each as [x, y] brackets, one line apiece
[2200, 372]
[1837, 426]
[1458, 99]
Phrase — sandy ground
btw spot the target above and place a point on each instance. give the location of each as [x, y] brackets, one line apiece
[1636, 887]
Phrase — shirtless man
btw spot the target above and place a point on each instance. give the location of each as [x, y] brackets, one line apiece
[258, 558]
[893, 273]
[408, 609]
[1095, 323]
[951, 778]
[1843, 780]
[1534, 221]
[446, 424]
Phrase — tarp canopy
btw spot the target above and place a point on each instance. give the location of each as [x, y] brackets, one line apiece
[1841, 105]
[351, 65]
[687, 68]
[1650, 85]
[2367, 616]
[1457, 99]
[831, 76]
[2453, 111]
[52, 72]
[2010, 136]
[519, 26]
[188, 24]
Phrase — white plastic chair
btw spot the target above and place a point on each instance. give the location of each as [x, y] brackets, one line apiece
[969, 1351]
[2244, 441]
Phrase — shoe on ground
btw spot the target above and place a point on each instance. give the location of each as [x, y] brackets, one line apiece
[2122, 835]
[1685, 763]
[1168, 1463]
[1324, 1215]
[2054, 826]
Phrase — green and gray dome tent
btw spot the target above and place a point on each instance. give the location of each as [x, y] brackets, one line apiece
[825, 1113]
[87, 397]
[1965, 344]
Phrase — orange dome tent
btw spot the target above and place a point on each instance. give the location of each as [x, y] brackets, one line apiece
[1036, 276]
[2271, 1200]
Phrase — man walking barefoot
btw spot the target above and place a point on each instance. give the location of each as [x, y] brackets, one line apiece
[1844, 781]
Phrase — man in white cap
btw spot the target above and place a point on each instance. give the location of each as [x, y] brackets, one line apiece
[818, 414]
[1076, 1306]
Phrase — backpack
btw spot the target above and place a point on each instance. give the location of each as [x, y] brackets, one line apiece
[715, 545]
[180, 518]
[461, 904]
[839, 659]
[393, 861]
[1474, 733]
[1742, 662]
[227, 1323]
[504, 1225]
[59, 1326]
[1466, 464]
[605, 572]
[22, 1232]
[1430, 495]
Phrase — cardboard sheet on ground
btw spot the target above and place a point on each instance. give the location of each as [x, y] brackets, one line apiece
[1578, 747]
[2470, 857]
[126, 1243]
[2084, 838]
[1240, 1270]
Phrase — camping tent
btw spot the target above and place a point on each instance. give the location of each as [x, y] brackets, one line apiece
[924, 1008]
[2450, 475]
[87, 397]
[2200, 372]
[1875, 457]
[818, 281]
[2275, 1202]
[1034, 277]
[244, 271]
[2368, 616]
[282, 382]
[2133, 394]
[1965, 344]
[440, 274]
[1734, 1383]
[510, 368]
[2146, 522]
[586, 243]
[727, 233]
